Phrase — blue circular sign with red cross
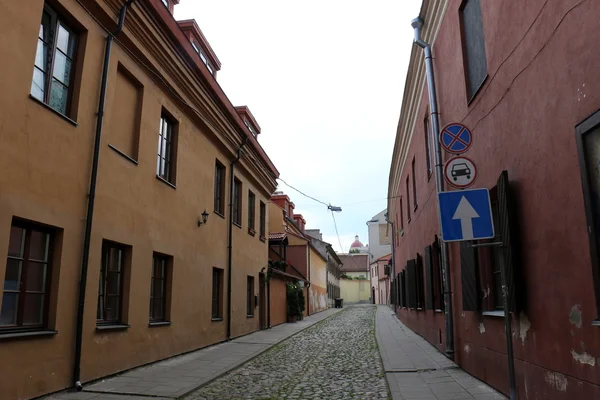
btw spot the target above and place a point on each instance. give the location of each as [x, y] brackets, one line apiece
[456, 138]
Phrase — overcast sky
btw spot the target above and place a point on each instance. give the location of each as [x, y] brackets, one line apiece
[324, 79]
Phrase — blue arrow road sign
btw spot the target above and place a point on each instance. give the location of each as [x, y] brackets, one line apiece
[466, 215]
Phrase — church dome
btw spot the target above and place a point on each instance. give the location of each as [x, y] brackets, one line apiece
[356, 244]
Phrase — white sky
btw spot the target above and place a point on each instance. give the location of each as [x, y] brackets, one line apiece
[324, 79]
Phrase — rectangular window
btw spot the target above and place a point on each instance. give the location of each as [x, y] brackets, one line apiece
[474, 46]
[251, 211]
[54, 62]
[219, 188]
[110, 290]
[165, 164]
[27, 279]
[414, 185]
[428, 148]
[408, 199]
[588, 146]
[237, 202]
[217, 293]
[263, 216]
[250, 297]
[158, 287]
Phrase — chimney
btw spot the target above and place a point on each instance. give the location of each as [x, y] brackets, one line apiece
[300, 221]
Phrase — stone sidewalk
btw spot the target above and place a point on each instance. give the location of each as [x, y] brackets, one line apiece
[178, 376]
[414, 369]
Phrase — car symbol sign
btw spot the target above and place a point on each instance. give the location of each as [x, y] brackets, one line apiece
[460, 172]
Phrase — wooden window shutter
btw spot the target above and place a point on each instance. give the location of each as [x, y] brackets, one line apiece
[403, 289]
[507, 235]
[429, 299]
[469, 277]
[411, 284]
[420, 282]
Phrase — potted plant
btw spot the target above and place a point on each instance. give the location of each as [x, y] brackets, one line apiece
[301, 303]
[293, 304]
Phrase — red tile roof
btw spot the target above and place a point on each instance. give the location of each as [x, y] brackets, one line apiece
[354, 263]
[277, 235]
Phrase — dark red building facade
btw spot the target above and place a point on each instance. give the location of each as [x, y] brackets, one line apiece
[524, 76]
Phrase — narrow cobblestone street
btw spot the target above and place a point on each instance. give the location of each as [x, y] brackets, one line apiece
[335, 359]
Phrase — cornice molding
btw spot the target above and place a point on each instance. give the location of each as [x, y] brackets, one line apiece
[158, 51]
[432, 13]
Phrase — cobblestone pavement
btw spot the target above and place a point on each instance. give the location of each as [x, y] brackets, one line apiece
[336, 359]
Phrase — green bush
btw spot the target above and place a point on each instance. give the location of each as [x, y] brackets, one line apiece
[293, 303]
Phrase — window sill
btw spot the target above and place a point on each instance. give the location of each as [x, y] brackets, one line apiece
[238, 225]
[262, 238]
[429, 175]
[219, 214]
[415, 208]
[166, 182]
[250, 316]
[498, 313]
[596, 322]
[251, 232]
[217, 319]
[26, 334]
[439, 311]
[115, 327]
[46, 106]
[159, 323]
[125, 156]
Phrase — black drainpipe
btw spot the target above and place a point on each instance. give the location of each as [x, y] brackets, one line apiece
[230, 235]
[92, 196]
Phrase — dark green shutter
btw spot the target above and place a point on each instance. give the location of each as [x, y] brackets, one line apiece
[420, 282]
[507, 234]
[411, 284]
[469, 275]
[429, 278]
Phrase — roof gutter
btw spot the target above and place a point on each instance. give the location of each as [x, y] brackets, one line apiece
[230, 233]
[417, 25]
[91, 197]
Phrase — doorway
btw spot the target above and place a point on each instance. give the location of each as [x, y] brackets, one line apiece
[262, 302]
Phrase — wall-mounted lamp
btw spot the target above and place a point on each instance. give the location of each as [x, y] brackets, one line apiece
[204, 218]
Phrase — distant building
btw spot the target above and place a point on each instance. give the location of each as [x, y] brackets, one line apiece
[380, 280]
[354, 282]
[380, 236]
[334, 264]
[307, 261]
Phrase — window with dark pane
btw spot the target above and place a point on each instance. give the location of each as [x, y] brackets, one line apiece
[158, 288]
[219, 188]
[237, 202]
[263, 213]
[165, 163]
[110, 290]
[251, 210]
[26, 280]
[497, 262]
[217, 293]
[250, 296]
[414, 185]
[408, 199]
[54, 60]
[474, 46]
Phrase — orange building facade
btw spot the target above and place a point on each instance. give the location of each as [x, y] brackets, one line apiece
[168, 226]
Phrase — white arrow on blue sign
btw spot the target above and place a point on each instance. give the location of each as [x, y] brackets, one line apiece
[466, 215]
